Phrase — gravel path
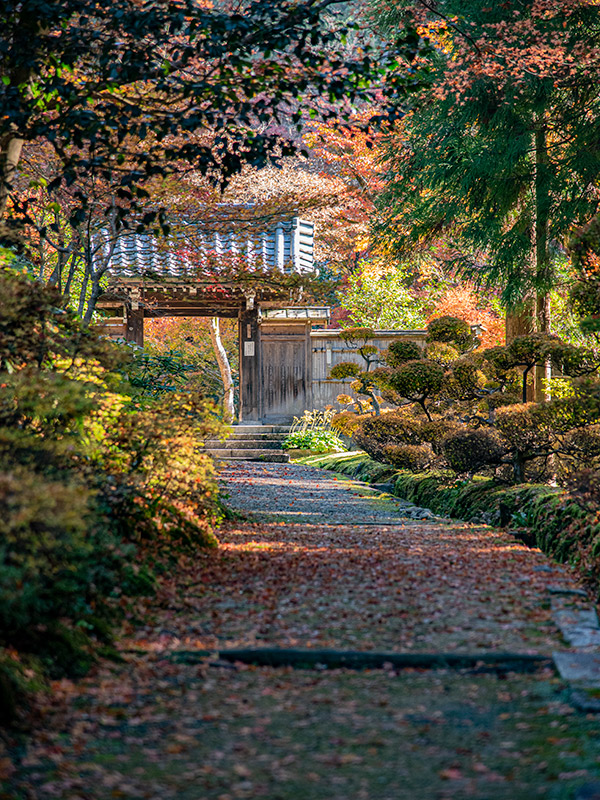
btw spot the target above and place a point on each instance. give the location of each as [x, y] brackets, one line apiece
[305, 494]
[316, 561]
[323, 561]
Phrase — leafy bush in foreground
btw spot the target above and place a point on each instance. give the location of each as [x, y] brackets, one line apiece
[91, 479]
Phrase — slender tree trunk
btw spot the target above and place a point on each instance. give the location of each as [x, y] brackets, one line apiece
[10, 154]
[543, 276]
[224, 368]
[521, 322]
[84, 286]
[375, 402]
[94, 295]
[70, 276]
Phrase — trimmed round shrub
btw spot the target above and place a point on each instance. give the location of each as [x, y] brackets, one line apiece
[464, 380]
[442, 353]
[400, 352]
[373, 434]
[345, 369]
[499, 359]
[356, 335]
[417, 380]
[535, 348]
[470, 450]
[451, 330]
[414, 457]
[380, 376]
[584, 443]
[436, 431]
[501, 399]
[522, 428]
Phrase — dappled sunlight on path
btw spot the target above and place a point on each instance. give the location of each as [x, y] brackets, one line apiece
[408, 586]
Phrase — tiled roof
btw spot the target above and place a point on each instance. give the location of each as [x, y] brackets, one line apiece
[287, 247]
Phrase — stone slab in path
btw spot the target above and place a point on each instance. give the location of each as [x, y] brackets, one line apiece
[581, 669]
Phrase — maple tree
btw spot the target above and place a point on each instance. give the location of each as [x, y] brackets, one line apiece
[464, 302]
[346, 157]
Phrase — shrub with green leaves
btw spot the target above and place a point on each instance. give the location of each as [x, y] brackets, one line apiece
[89, 477]
[417, 381]
[314, 431]
[400, 352]
[413, 457]
[466, 410]
[468, 450]
[453, 331]
[393, 428]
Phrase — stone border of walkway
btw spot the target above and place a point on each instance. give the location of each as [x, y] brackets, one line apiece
[359, 659]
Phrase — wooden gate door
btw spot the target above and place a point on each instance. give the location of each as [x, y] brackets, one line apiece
[285, 379]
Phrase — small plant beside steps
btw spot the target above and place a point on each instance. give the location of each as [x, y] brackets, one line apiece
[312, 431]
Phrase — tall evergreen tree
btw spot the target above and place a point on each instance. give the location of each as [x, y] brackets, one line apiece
[498, 155]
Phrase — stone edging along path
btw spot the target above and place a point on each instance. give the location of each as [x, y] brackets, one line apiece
[300, 494]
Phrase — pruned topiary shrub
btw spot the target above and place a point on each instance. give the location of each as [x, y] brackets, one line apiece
[442, 352]
[345, 369]
[413, 457]
[453, 331]
[391, 428]
[583, 444]
[470, 450]
[400, 352]
[417, 381]
[435, 431]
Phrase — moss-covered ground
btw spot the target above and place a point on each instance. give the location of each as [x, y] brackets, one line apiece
[158, 730]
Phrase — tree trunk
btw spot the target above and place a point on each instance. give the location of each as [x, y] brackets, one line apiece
[94, 295]
[83, 290]
[10, 154]
[543, 277]
[520, 321]
[224, 368]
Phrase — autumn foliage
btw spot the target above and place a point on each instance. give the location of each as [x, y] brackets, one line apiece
[462, 301]
[94, 482]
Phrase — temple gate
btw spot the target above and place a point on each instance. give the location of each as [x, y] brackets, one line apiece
[148, 281]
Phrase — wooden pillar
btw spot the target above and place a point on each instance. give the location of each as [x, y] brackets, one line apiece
[250, 366]
[134, 326]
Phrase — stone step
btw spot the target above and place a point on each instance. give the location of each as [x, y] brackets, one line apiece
[245, 444]
[228, 454]
[253, 437]
[260, 428]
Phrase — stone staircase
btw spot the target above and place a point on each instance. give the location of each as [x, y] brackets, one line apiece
[251, 443]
